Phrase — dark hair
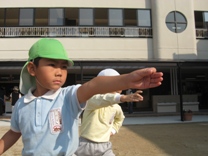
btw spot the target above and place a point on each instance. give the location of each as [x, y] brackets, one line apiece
[36, 61]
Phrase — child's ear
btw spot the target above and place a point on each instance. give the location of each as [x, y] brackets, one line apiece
[31, 68]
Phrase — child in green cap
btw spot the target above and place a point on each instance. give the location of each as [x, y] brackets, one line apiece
[47, 116]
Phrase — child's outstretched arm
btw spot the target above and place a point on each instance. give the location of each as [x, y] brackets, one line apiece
[8, 140]
[135, 97]
[138, 79]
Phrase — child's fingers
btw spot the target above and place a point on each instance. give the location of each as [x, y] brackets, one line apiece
[139, 91]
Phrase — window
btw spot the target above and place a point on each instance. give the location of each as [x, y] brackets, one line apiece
[176, 22]
[201, 19]
[86, 17]
[144, 18]
[130, 17]
[101, 17]
[56, 17]
[115, 17]
[2, 17]
[78, 22]
[206, 19]
[71, 16]
[12, 17]
[41, 17]
[198, 19]
[26, 17]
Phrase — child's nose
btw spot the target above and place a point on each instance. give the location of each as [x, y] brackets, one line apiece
[58, 72]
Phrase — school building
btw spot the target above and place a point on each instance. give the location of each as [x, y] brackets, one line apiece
[171, 35]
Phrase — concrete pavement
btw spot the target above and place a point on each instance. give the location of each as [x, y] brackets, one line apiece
[135, 120]
[162, 120]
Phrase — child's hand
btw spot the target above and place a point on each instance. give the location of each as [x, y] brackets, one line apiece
[135, 97]
[145, 78]
[138, 79]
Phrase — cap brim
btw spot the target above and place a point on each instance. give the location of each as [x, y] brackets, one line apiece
[26, 80]
[71, 63]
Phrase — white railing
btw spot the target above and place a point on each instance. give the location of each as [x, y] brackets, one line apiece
[75, 32]
[84, 32]
[201, 33]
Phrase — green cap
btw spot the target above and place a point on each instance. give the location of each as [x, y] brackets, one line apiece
[44, 48]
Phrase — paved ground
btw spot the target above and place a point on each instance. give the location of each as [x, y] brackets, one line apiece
[148, 136]
[163, 120]
[135, 120]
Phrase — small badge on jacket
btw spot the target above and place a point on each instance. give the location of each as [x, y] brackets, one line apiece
[55, 120]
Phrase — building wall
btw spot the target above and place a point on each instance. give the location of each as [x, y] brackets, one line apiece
[78, 3]
[200, 5]
[165, 45]
[202, 49]
[83, 48]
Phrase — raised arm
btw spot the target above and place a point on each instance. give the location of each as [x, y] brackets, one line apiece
[139, 79]
[135, 97]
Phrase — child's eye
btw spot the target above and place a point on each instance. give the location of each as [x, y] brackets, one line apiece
[64, 67]
[52, 65]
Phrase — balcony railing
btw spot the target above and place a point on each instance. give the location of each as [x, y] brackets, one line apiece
[75, 32]
[202, 33]
[84, 32]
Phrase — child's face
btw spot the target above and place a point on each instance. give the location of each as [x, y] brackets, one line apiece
[50, 74]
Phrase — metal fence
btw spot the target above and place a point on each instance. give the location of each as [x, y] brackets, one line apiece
[75, 32]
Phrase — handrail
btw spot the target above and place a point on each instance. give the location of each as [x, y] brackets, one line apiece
[202, 33]
[75, 32]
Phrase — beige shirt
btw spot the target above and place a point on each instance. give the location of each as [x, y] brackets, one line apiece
[101, 116]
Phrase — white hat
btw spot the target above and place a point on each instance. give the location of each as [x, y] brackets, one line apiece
[108, 72]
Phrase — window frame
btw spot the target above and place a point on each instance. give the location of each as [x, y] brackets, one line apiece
[175, 22]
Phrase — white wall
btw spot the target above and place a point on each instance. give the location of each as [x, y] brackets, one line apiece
[165, 44]
[76, 3]
[201, 5]
[84, 48]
